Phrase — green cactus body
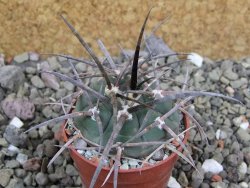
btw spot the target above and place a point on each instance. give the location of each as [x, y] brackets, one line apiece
[89, 127]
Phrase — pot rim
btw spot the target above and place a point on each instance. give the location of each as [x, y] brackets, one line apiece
[123, 171]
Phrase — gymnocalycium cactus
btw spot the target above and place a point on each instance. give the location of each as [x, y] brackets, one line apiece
[123, 111]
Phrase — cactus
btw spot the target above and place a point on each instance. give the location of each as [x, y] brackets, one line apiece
[120, 113]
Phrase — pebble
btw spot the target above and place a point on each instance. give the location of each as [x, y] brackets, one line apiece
[33, 56]
[21, 158]
[5, 175]
[182, 179]
[71, 170]
[12, 164]
[243, 185]
[20, 173]
[19, 107]
[239, 83]
[41, 178]
[80, 143]
[158, 156]
[3, 142]
[172, 183]
[81, 67]
[15, 136]
[16, 122]
[21, 58]
[30, 70]
[242, 168]
[37, 82]
[233, 160]
[11, 77]
[54, 64]
[32, 164]
[243, 135]
[133, 163]
[50, 80]
[124, 166]
[69, 86]
[211, 165]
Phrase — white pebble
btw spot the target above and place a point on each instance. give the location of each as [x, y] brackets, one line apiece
[13, 148]
[133, 163]
[124, 166]
[242, 168]
[195, 59]
[33, 56]
[16, 122]
[243, 185]
[21, 158]
[217, 134]
[211, 165]
[88, 154]
[244, 125]
[172, 183]
[81, 152]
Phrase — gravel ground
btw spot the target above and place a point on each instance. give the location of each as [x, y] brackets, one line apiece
[24, 157]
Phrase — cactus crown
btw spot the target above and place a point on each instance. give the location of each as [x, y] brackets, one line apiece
[123, 110]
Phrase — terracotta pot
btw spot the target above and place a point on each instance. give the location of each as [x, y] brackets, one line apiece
[155, 176]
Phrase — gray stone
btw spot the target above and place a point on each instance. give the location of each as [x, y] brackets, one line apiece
[218, 185]
[21, 158]
[239, 83]
[20, 107]
[69, 86]
[20, 173]
[15, 136]
[21, 57]
[215, 74]
[232, 160]
[233, 185]
[243, 135]
[71, 170]
[197, 179]
[11, 77]
[61, 93]
[5, 175]
[182, 179]
[50, 80]
[79, 143]
[3, 142]
[30, 70]
[41, 178]
[224, 80]
[54, 64]
[12, 164]
[158, 156]
[81, 67]
[37, 82]
[229, 74]
[28, 179]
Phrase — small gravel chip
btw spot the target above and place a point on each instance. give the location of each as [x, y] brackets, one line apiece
[33, 56]
[21, 158]
[37, 82]
[5, 175]
[16, 122]
[42, 179]
[71, 170]
[3, 142]
[124, 166]
[211, 165]
[21, 57]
